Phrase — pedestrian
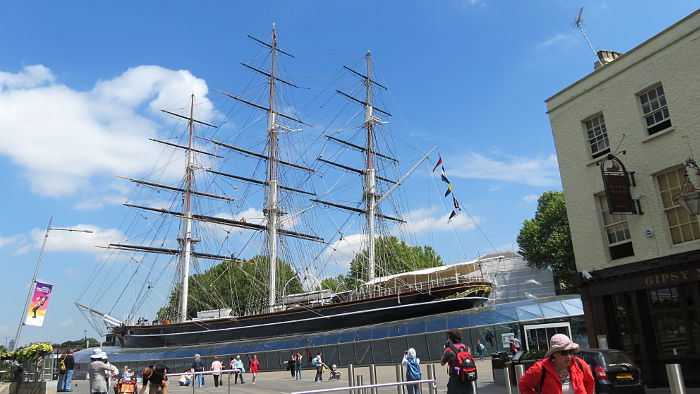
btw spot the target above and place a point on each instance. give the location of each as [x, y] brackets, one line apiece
[70, 366]
[412, 364]
[145, 377]
[238, 365]
[127, 375]
[18, 373]
[318, 363]
[158, 380]
[255, 367]
[61, 386]
[480, 348]
[559, 371]
[114, 371]
[297, 364]
[216, 367]
[454, 345]
[198, 366]
[186, 378]
[513, 348]
[39, 368]
[97, 371]
[291, 364]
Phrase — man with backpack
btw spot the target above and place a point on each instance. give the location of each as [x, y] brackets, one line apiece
[70, 366]
[318, 363]
[462, 368]
[412, 364]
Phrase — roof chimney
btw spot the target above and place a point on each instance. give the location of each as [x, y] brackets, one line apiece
[605, 57]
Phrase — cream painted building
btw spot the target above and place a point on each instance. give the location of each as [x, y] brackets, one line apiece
[638, 272]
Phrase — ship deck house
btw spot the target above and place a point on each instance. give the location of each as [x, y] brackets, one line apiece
[628, 138]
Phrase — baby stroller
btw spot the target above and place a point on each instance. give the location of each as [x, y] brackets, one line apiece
[335, 374]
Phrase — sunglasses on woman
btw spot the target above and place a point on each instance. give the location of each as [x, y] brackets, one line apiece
[566, 352]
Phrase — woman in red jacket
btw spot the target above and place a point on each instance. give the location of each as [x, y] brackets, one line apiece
[559, 372]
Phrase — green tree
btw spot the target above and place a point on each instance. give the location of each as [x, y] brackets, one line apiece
[239, 286]
[545, 241]
[392, 257]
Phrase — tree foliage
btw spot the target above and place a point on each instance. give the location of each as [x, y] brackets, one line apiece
[545, 241]
[392, 257]
[239, 286]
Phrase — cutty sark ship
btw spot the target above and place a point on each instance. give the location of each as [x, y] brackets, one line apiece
[203, 231]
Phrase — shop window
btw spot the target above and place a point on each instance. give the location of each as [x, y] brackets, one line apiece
[682, 226]
[616, 231]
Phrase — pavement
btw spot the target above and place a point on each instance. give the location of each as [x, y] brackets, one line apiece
[282, 382]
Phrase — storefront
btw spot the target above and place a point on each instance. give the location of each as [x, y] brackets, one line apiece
[651, 310]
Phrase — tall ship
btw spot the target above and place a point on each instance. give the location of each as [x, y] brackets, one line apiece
[237, 248]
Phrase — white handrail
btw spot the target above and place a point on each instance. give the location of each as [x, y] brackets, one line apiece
[365, 386]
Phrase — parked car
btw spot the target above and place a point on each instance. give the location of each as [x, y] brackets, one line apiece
[614, 372]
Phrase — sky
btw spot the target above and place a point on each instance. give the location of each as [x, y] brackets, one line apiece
[82, 83]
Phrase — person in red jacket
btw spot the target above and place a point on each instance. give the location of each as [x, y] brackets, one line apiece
[255, 367]
[559, 372]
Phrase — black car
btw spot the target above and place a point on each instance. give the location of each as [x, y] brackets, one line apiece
[613, 370]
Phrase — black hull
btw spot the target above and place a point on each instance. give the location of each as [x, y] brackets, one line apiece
[325, 318]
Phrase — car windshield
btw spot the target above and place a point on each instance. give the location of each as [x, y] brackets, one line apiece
[616, 358]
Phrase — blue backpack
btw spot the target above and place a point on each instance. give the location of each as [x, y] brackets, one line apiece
[412, 370]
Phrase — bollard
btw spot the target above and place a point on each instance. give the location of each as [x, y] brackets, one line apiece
[434, 384]
[373, 377]
[430, 376]
[359, 380]
[519, 371]
[403, 379]
[509, 389]
[675, 378]
[351, 377]
[398, 378]
[474, 390]
[229, 383]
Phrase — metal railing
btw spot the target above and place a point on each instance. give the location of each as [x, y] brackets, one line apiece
[363, 388]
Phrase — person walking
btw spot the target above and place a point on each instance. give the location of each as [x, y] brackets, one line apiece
[255, 367]
[238, 365]
[158, 380]
[70, 366]
[318, 363]
[97, 371]
[297, 365]
[291, 364]
[198, 366]
[453, 346]
[61, 386]
[480, 348]
[559, 371]
[216, 368]
[412, 364]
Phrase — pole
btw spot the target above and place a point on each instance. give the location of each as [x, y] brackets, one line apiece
[272, 208]
[398, 378]
[509, 386]
[31, 287]
[675, 378]
[373, 377]
[351, 377]
[430, 376]
[86, 342]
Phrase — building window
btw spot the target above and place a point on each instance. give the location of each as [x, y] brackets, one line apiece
[655, 110]
[597, 135]
[618, 234]
[682, 226]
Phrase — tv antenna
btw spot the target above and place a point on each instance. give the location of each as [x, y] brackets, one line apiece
[579, 25]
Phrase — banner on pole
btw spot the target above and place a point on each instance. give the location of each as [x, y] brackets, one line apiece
[37, 309]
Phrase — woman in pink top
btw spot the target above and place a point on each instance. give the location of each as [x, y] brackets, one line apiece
[216, 366]
[254, 367]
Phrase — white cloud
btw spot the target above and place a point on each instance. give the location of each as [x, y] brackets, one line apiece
[111, 122]
[423, 219]
[533, 171]
[341, 252]
[66, 323]
[99, 202]
[8, 240]
[76, 241]
[531, 198]
[559, 39]
[30, 77]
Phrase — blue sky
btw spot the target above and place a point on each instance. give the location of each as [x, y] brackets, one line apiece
[81, 85]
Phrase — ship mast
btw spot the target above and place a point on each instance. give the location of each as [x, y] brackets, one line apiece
[186, 240]
[272, 208]
[369, 175]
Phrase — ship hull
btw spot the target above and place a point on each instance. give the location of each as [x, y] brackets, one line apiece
[335, 316]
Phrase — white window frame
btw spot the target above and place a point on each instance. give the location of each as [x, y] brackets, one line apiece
[654, 104]
[590, 128]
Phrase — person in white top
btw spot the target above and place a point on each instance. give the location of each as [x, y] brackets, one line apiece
[216, 367]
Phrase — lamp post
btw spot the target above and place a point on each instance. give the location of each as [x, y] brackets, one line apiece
[689, 197]
[86, 342]
[36, 270]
